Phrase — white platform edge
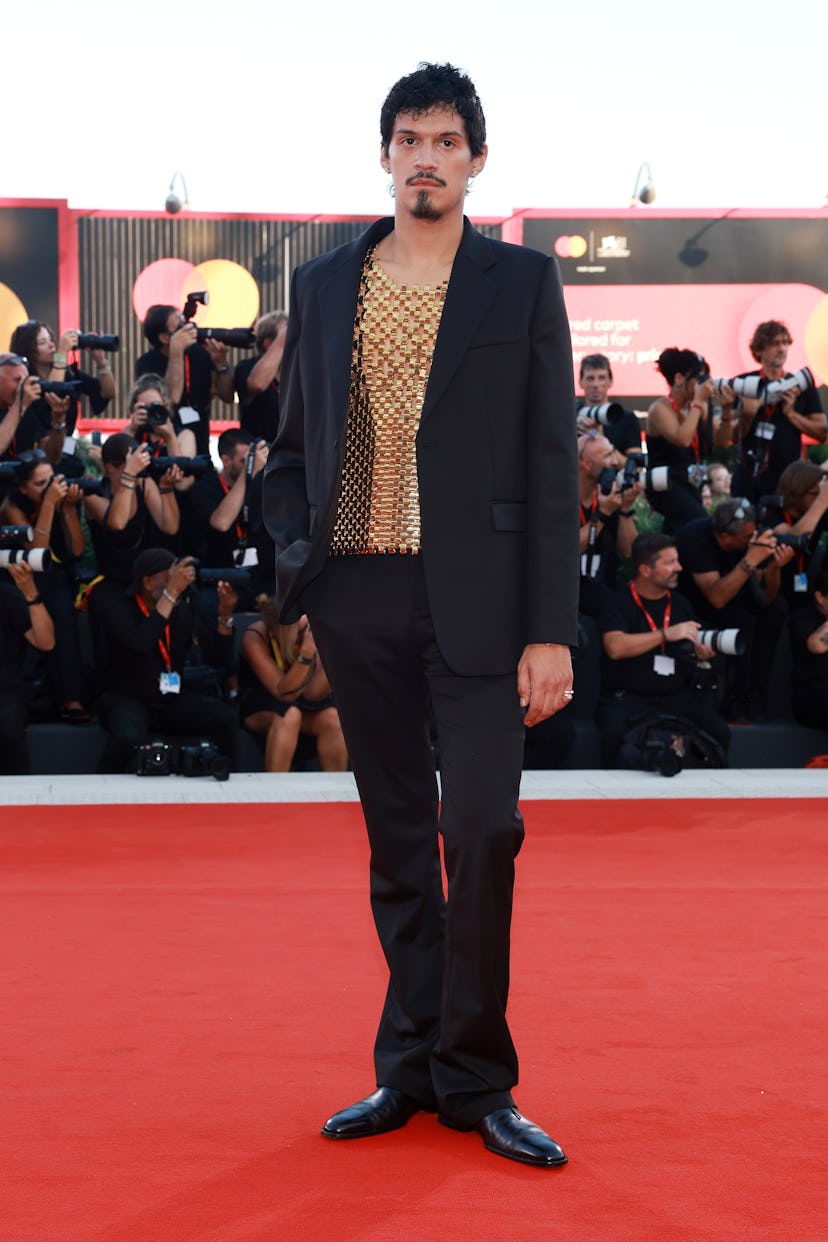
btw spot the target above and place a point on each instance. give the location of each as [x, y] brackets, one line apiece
[336, 787]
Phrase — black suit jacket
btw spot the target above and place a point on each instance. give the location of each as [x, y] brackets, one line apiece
[496, 448]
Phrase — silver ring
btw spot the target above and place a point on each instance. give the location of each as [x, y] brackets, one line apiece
[569, 694]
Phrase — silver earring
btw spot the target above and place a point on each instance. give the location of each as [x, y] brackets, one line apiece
[392, 190]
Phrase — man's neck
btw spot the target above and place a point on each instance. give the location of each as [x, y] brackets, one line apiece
[774, 371]
[647, 589]
[586, 488]
[421, 252]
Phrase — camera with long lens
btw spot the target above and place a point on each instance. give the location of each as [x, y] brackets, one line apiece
[799, 543]
[15, 536]
[89, 484]
[108, 342]
[776, 389]
[234, 576]
[660, 478]
[236, 338]
[60, 388]
[605, 415]
[723, 642]
[40, 559]
[190, 467]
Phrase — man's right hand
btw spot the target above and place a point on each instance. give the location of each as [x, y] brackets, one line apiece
[761, 546]
[682, 630]
[183, 338]
[28, 392]
[260, 454]
[181, 576]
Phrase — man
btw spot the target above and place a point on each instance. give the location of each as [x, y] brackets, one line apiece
[607, 520]
[145, 636]
[731, 575]
[18, 391]
[227, 511]
[596, 380]
[256, 379]
[188, 368]
[422, 496]
[771, 434]
[649, 642]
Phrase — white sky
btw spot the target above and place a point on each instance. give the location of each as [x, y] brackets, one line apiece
[268, 108]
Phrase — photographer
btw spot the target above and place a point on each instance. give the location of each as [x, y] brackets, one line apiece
[48, 503]
[596, 380]
[771, 433]
[24, 621]
[676, 427]
[18, 391]
[190, 369]
[800, 511]
[731, 575]
[57, 416]
[651, 651]
[147, 402]
[809, 644]
[284, 692]
[606, 516]
[145, 636]
[118, 520]
[256, 379]
[228, 509]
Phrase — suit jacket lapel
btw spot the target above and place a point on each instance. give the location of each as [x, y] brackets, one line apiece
[470, 294]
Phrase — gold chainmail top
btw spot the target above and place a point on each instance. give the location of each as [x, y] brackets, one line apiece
[395, 331]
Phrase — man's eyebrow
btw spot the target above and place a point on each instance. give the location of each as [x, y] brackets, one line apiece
[445, 133]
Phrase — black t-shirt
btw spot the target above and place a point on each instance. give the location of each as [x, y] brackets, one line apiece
[599, 563]
[132, 658]
[700, 554]
[197, 393]
[261, 416]
[37, 421]
[15, 622]
[637, 675]
[224, 548]
[810, 671]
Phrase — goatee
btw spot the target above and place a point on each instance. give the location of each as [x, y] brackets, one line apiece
[424, 209]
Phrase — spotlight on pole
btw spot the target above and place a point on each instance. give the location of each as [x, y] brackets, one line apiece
[174, 202]
[646, 192]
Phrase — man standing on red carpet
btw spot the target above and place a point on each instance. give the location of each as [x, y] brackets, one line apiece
[422, 494]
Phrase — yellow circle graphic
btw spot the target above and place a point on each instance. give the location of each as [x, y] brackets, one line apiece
[12, 314]
[816, 340]
[234, 294]
[577, 247]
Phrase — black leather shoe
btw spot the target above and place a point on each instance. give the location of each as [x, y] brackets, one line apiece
[385, 1109]
[507, 1133]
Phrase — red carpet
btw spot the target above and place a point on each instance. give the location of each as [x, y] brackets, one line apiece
[190, 991]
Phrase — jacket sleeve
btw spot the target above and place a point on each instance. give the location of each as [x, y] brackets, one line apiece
[285, 500]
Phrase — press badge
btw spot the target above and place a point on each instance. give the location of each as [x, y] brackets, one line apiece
[69, 447]
[188, 415]
[590, 564]
[169, 683]
[246, 558]
[664, 665]
[800, 582]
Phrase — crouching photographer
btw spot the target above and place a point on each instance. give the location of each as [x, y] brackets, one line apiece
[146, 636]
[656, 665]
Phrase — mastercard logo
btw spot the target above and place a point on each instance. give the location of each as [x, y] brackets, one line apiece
[574, 247]
[234, 294]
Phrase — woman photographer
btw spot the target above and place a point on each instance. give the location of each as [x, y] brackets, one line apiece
[48, 360]
[49, 504]
[283, 691]
[675, 425]
[147, 401]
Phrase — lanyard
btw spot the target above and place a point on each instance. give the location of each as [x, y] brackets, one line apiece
[695, 442]
[164, 647]
[593, 518]
[241, 527]
[277, 653]
[667, 613]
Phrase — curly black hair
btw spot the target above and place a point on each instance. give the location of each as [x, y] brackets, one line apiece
[672, 362]
[432, 86]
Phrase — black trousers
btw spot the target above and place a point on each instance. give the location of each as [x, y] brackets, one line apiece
[129, 722]
[443, 1037]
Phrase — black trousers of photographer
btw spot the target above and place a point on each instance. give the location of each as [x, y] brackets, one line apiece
[616, 715]
[131, 722]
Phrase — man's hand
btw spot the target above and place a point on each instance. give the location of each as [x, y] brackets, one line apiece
[218, 352]
[787, 401]
[183, 338]
[760, 548]
[544, 672]
[611, 503]
[682, 630]
[259, 456]
[23, 577]
[181, 576]
[227, 600]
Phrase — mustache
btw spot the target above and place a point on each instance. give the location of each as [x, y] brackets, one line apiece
[430, 178]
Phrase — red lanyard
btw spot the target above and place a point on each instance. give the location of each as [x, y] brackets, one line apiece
[695, 441]
[667, 613]
[186, 375]
[240, 530]
[164, 649]
[589, 517]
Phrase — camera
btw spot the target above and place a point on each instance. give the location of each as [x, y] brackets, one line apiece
[40, 559]
[237, 338]
[232, 575]
[660, 478]
[152, 759]
[776, 389]
[190, 467]
[157, 414]
[60, 388]
[15, 536]
[725, 642]
[108, 342]
[202, 759]
[799, 543]
[89, 484]
[606, 414]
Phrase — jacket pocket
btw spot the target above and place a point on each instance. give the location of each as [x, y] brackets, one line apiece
[508, 514]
